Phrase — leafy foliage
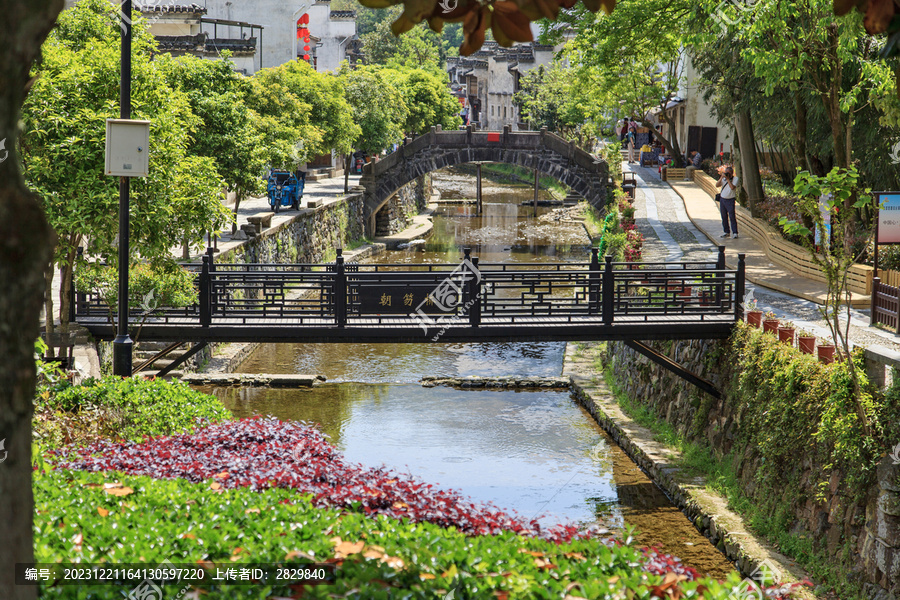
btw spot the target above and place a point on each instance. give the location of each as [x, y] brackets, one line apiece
[379, 110]
[427, 98]
[64, 149]
[147, 286]
[123, 409]
[377, 557]
[792, 404]
[509, 22]
[227, 133]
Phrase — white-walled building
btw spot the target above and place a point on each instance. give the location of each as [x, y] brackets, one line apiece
[332, 33]
[695, 127]
[489, 79]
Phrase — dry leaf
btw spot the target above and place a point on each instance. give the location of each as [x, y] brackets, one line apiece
[119, 491]
[215, 486]
[251, 510]
[102, 511]
[426, 576]
[574, 555]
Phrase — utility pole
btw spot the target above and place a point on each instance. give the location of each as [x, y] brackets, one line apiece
[122, 345]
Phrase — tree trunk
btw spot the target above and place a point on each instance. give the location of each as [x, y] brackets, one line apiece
[238, 196]
[751, 181]
[49, 316]
[671, 146]
[26, 245]
[347, 162]
[801, 136]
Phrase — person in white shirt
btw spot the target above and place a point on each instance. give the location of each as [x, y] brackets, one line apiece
[728, 184]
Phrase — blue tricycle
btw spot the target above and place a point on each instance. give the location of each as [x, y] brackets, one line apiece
[285, 189]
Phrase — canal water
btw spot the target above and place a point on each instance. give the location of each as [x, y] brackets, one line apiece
[535, 453]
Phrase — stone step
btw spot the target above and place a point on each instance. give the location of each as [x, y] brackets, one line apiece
[175, 374]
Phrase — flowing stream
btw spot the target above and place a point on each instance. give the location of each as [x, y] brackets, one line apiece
[537, 453]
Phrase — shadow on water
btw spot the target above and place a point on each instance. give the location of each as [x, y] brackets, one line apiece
[537, 453]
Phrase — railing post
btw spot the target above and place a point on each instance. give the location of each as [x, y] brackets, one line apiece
[872, 318]
[475, 297]
[205, 315]
[609, 288]
[340, 290]
[739, 289]
[594, 281]
[213, 299]
[720, 279]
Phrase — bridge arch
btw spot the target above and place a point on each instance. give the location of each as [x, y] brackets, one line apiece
[551, 155]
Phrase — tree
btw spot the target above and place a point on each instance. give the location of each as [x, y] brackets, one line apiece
[556, 98]
[63, 147]
[227, 133]
[329, 113]
[428, 99]
[378, 109]
[634, 58]
[419, 48]
[25, 251]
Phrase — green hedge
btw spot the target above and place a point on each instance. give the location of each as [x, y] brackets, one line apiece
[130, 409]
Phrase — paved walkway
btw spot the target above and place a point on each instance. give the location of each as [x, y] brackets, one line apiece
[680, 221]
[325, 191]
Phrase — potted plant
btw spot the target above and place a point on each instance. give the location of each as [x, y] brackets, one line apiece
[806, 341]
[826, 353]
[770, 322]
[786, 333]
[754, 315]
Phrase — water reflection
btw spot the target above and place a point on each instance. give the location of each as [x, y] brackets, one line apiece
[407, 363]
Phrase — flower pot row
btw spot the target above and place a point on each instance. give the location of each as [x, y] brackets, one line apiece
[806, 344]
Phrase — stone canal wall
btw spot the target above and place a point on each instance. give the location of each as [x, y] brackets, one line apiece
[313, 235]
[399, 211]
[846, 513]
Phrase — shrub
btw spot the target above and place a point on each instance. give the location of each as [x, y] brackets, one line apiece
[375, 557]
[126, 409]
[148, 286]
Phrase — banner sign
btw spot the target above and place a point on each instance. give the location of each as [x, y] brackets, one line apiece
[889, 218]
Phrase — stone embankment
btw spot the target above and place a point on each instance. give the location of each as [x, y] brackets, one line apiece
[508, 382]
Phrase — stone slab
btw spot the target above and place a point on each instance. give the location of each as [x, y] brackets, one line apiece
[252, 380]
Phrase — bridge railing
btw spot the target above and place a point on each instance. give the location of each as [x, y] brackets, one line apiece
[467, 293]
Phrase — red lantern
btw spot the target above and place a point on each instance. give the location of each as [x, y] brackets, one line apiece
[304, 20]
[306, 48]
[306, 57]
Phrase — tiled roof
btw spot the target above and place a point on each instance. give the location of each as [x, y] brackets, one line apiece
[183, 43]
[193, 9]
[342, 14]
[202, 43]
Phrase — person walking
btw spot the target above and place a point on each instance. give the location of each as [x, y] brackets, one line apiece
[727, 197]
[630, 139]
[696, 159]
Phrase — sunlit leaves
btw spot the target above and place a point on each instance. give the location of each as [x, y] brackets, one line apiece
[508, 21]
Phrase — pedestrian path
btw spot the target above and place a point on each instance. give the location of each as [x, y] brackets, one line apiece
[323, 191]
[690, 217]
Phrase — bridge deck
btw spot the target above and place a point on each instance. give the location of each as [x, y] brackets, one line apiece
[358, 303]
[407, 331]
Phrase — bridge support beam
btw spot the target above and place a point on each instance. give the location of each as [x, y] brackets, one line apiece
[674, 367]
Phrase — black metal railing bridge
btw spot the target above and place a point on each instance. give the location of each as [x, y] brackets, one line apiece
[464, 302]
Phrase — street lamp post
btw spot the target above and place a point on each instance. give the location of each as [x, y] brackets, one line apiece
[122, 345]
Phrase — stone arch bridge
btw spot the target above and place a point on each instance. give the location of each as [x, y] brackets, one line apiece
[546, 152]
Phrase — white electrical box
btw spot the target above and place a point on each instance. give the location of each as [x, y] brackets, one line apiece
[127, 148]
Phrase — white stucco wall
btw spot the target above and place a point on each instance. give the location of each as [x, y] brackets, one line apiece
[278, 17]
